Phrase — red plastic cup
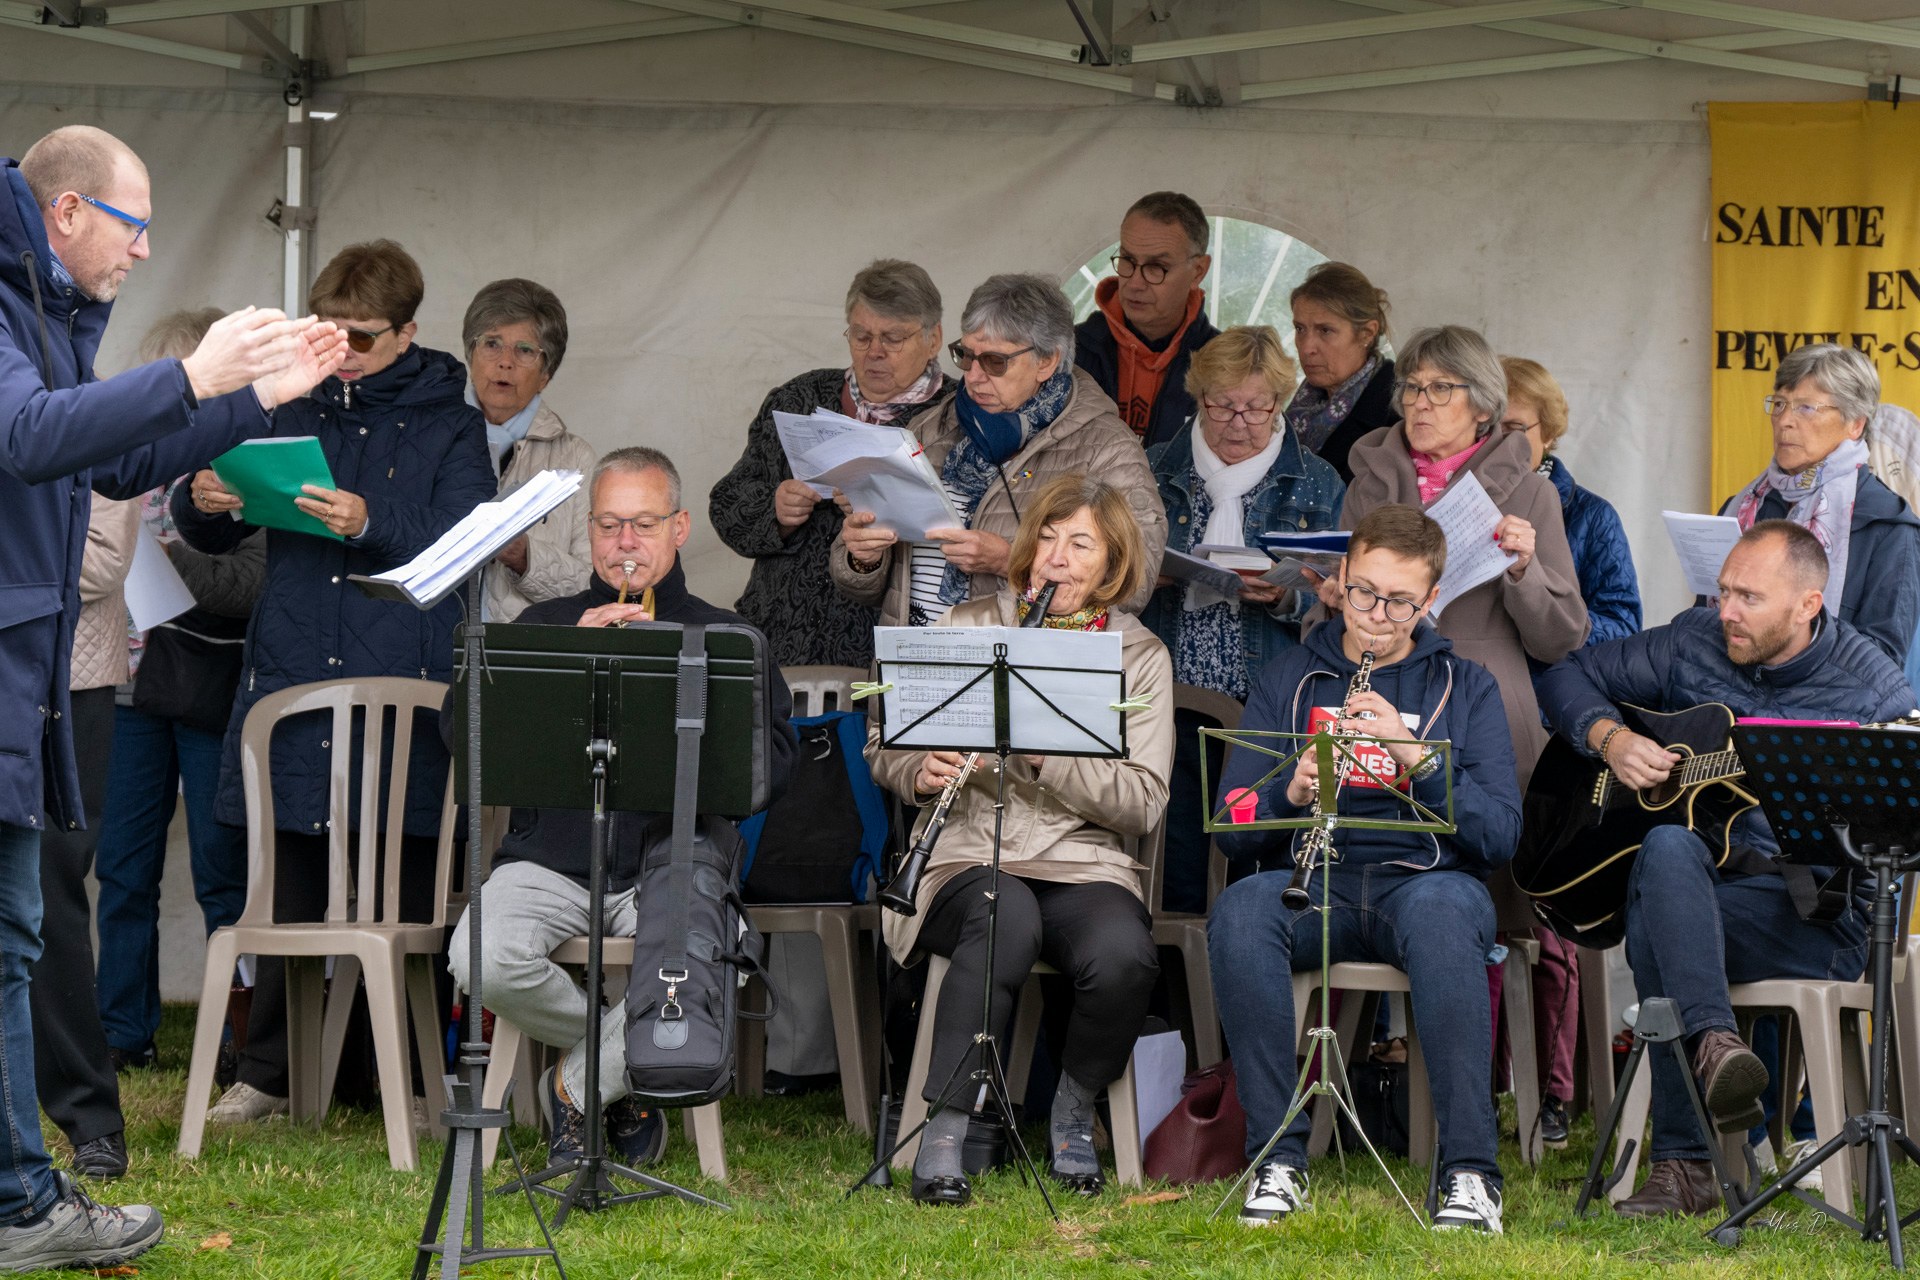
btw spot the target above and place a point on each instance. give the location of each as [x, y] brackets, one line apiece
[1242, 804]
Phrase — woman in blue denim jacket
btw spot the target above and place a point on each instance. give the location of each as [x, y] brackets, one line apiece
[1234, 472]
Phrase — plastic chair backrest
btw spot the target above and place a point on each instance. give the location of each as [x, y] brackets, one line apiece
[368, 879]
[818, 690]
[1225, 712]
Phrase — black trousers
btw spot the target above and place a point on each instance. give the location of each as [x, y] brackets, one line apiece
[1098, 935]
[72, 1072]
[300, 894]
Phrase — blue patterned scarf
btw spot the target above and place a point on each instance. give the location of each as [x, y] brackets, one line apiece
[986, 441]
[1314, 413]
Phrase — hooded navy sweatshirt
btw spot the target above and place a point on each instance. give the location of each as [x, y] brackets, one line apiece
[1440, 695]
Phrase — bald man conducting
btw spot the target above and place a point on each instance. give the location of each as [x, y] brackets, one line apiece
[74, 214]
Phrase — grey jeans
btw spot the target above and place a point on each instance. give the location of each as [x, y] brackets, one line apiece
[530, 911]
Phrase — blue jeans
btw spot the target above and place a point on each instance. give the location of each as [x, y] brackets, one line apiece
[26, 1174]
[1437, 926]
[153, 761]
[1691, 931]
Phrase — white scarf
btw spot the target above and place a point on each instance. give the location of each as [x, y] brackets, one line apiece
[1227, 484]
[1820, 499]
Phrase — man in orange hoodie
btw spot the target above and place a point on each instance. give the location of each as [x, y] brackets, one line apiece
[1151, 315]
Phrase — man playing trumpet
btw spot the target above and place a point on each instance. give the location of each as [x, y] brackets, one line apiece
[537, 894]
[1413, 900]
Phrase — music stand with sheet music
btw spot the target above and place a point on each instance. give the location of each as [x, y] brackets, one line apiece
[960, 689]
[1846, 797]
[1324, 1073]
[557, 702]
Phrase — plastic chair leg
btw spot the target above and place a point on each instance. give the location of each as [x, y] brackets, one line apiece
[1820, 1035]
[841, 958]
[1123, 1110]
[333, 1027]
[1596, 1027]
[1018, 1049]
[387, 1012]
[1516, 1000]
[1633, 1127]
[430, 1037]
[306, 997]
[214, 985]
[503, 1064]
[913, 1105]
[703, 1126]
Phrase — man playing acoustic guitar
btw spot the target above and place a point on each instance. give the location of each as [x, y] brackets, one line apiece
[1703, 911]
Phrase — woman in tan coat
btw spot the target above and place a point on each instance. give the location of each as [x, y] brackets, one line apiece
[1023, 415]
[1452, 393]
[1069, 892]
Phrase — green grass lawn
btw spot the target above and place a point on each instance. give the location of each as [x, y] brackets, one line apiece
[278, 1201]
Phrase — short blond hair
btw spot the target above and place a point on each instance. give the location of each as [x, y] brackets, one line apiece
[1058, 500]
[1529, 380]
[175, 335]
[1236, 354]
[77, 158]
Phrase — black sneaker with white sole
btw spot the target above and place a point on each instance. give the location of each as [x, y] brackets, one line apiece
[1274, 1191]
[1472, 1203]
[1553, 1123]
[76, 1232]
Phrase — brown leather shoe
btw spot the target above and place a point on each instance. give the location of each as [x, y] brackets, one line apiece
[1674, 1187]
[1732, 1078]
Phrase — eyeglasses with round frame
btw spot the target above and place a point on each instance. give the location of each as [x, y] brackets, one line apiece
[1437, 393]
[1252, 415]
[1777, 406]
[139, 225]
[1153, 272]
[1399, 608]
[523, 354]
[608, 525]
[862, 341]
[996, 363]
[362, 340]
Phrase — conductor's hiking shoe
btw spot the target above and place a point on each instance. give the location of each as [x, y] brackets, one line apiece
[243, 1104]
[1472, 1204]
[76, 1232]
[1275, 1191]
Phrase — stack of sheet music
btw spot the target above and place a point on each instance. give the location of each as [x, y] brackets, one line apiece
[879, 469]
[477, 539]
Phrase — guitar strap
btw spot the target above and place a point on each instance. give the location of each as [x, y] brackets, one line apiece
[1816, 903]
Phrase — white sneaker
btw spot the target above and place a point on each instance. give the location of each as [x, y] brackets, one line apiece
[1275, 1191]
[244, 1104]
[1794, 1153]
[1472, 1202]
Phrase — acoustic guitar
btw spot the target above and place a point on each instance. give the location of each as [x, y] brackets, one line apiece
[1584, 827]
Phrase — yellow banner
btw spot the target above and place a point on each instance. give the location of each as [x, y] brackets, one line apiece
[1816, 238]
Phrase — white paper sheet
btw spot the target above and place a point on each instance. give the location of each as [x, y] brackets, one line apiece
[1468, 517]
[1083, 680]
[478, 537]
[1182, 567]
[1702, 543]
[155, 593]
[1159, 1065]
[879, 469]
[1228, 557]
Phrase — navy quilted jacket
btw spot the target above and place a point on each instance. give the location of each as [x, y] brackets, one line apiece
[1602, 559]
[411, 446]
[1842, 675]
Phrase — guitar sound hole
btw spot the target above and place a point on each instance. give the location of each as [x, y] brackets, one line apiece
[1663, 793]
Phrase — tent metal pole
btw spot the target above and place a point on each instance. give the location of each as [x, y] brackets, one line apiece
[1357, 28]
[299, 148]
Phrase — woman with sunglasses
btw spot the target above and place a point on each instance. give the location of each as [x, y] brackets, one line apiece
[1453, 393]
[1024, 414]
[891, 374]
[1236, 471]
[409, 459]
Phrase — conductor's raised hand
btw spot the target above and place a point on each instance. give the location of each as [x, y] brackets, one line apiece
[240, 348]
[319, 348]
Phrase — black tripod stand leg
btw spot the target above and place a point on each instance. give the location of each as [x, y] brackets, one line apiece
[1595, 1186]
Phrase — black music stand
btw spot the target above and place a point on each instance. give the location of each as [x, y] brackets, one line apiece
[1846, 797]
[980, 714]
[556, 702]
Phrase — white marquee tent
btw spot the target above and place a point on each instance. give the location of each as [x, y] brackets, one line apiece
[698, 179]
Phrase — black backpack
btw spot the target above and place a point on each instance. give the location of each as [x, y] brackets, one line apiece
[825, 838]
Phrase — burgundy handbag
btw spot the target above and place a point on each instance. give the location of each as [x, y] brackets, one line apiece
[1204, 1137]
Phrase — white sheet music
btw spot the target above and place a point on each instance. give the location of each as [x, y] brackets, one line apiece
[1078, 671]
[1702, 543]
[478, 536]
[1468, 517]
[881, 469]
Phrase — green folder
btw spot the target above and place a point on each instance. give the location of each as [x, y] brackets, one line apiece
[267, 475]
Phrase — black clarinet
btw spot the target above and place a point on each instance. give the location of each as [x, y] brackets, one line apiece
[905, 885]
[1317, 847]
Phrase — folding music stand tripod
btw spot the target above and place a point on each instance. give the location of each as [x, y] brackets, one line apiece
[1014, 695]
[1846, 796]
[1324, 1073]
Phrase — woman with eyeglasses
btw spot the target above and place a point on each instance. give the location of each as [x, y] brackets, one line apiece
[515, 335]
[1346, 387]
[892, 374]
[1235, 472]
[1023, 415]
[1823, 397]
[1453, 394]
[408, 457]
